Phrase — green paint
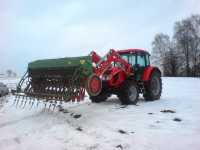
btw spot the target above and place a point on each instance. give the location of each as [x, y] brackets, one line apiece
[68, 64]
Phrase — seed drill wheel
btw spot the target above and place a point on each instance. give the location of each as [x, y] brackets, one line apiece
[94, 85]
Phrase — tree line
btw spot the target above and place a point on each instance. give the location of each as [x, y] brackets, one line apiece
[179, 55]
[8, 73]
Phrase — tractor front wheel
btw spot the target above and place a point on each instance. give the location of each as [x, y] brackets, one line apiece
[128, 94]
[153, 87]
[94, 85]
[103, 96]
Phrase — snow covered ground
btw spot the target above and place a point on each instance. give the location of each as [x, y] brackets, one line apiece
[108, 125]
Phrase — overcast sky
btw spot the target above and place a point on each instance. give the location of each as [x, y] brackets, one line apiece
[37, 29]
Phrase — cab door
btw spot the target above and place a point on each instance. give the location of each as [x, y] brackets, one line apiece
[141, 63]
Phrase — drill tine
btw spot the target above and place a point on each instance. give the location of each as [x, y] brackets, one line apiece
[61, 103]
[17, 101]
[54, 105]
[35, 101]
[45, 104]
[24, 104]
[38, 102]
[30, 99]
[49, 106]
[21, 104]
[32, 105]
[22, 101]
[14, 101]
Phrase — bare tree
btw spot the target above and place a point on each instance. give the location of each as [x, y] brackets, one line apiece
[187, 37]
[198, 66]
[14, 74]
[163, 54]
[9, 73]
[181, 56]
[195, 46]
[160, 46]
[171, 63]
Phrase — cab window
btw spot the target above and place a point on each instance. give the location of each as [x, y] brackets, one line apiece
[132, 60]
[147, 60]
[125, 57]
[141, 60]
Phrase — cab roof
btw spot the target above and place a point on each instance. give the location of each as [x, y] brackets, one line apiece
[133, 50]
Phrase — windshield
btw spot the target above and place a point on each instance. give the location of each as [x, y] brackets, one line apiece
[131, 59]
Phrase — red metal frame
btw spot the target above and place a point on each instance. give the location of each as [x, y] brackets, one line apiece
[116, 74]
[112, 57]
[95, 57]
[133, 50]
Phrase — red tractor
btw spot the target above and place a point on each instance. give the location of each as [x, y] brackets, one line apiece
[126, 73]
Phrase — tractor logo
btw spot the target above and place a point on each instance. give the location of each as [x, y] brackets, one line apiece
[82, 61]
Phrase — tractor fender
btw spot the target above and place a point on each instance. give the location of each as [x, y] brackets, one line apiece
[148, 71]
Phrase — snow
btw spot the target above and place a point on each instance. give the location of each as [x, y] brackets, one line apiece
[25, 129]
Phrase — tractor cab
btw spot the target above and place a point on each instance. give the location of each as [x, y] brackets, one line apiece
[138, 58]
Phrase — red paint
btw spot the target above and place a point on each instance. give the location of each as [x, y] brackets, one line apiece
[148, 71]
[95, 85]
[134, 50]
[116, 77]
[95, 58]
[112, 57]
[116, 74]
[81, 95]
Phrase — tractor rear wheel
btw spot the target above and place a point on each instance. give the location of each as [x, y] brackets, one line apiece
[101, 97]
[128, 94]
[153, 88]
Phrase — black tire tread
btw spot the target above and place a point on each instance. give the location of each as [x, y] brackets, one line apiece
[103, 96]
[123, 93]
[148, 96]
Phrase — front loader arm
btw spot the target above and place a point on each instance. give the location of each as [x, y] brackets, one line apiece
[110, 59]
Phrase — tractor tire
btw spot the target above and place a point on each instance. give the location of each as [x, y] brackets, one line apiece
[94, 85]
[153, 87]
[128, 93]
[103, 96]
